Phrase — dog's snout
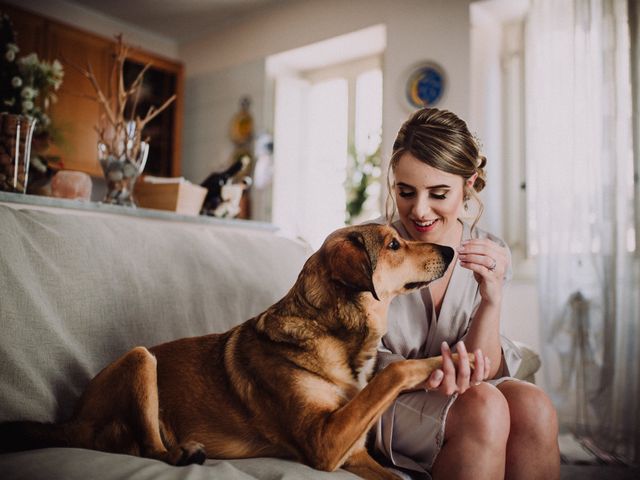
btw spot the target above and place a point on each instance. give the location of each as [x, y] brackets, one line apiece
[447, 253]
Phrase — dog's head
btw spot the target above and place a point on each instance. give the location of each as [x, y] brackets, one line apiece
[374, 258]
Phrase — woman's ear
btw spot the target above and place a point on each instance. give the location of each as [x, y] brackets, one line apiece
[471, 180]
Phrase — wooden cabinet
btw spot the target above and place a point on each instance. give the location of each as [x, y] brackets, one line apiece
[163, 79]
[76, 113]
[30, 29]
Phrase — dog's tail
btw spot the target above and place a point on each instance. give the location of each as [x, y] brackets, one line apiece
[25, 435]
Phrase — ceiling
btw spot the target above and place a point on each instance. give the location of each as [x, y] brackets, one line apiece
[184, 20]
[502, 10]
[178, 20]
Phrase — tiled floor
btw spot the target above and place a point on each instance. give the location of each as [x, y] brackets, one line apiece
[594, 472]
[580, 464]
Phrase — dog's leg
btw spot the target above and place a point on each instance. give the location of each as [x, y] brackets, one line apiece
[349, 423]
[145, 398]
[123, 399]
[361, 464]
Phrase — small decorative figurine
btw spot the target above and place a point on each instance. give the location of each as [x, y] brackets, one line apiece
[228, 190]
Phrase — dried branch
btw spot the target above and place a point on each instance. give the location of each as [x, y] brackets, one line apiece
[153, 112]
[137, 83]
[112, 127]
[136, 88]
[88, 73]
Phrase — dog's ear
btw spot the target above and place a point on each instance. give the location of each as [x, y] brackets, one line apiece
[352, 264]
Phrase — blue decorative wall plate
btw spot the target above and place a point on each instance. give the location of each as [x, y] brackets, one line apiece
[425, 85]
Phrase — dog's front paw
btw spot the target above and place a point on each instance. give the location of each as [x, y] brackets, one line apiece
[191, 452]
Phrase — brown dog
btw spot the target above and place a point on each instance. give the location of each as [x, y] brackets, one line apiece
[289, 383]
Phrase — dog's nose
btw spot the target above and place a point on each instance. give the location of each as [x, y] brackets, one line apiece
[447, 253]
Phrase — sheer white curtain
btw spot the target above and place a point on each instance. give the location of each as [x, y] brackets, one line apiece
[581, 192]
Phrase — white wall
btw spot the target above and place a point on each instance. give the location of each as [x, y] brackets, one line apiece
[211, 100]
[485, 116]
[417, 30]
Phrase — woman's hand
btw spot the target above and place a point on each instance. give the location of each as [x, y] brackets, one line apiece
[449, 380]
[489, 262]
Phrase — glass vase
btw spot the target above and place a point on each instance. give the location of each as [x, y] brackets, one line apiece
[121, 173]
[16, 134]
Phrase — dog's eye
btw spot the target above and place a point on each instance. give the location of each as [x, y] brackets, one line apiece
[394, 245]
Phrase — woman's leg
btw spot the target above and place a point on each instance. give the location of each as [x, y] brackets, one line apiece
[532, 448]
[476, 433]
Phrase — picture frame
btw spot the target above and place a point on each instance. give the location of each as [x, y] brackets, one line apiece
[425, 85]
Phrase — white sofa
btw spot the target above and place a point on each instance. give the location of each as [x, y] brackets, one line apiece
[79, 289]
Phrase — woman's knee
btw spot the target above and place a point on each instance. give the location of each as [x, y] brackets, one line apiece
[531, 410]
[481, 412]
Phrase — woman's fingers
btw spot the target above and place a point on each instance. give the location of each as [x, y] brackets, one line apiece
[486, 261]
[477, 376]
[458, 376]
[464, 371]
[435, 380]
[448, 386]
[483, 256]
[482, 247]
[487, 367]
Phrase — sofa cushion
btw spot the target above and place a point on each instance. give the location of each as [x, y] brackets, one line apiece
[530, 363]
[71, 463]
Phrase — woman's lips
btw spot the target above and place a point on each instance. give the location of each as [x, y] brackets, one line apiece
[425, 227]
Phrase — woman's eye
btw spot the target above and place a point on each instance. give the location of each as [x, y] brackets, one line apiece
[438, 196]
[394, 245]
[406, 194]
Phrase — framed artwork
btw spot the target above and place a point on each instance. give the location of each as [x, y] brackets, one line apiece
[425, 85]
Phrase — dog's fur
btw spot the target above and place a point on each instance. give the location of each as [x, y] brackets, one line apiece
[289, 383]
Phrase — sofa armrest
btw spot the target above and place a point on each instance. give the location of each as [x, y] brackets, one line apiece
[530, 363]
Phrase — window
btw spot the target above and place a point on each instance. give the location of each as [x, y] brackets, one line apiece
[344, 136]
[332, 129]
[498, 118]
[516, 230]
[363, 175]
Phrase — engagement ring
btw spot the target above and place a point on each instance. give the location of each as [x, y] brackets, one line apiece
[493, 267]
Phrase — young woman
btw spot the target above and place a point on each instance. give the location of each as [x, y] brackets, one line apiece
[479, 424]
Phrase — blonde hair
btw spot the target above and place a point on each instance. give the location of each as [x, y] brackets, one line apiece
[441, 140]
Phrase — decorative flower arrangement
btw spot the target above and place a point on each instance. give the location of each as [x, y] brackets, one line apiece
[28, 84]
[28, 87]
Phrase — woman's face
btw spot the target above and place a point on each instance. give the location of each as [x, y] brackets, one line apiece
[429, 201]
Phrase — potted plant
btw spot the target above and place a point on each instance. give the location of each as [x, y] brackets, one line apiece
[28, 87]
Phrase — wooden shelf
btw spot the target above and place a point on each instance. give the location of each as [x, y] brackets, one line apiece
[62, 205]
